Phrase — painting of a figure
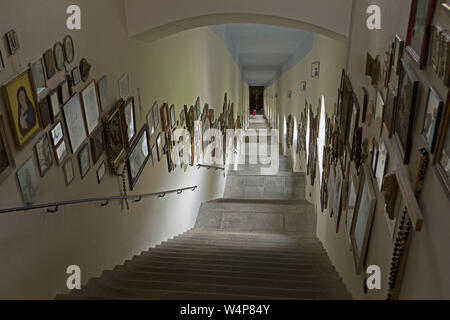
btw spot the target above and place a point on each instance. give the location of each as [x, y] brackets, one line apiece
[44, 155]
[432, 118]
[22, 108]
[28, 182]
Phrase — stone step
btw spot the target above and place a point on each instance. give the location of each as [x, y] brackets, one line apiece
[297, 293]
[304, 282]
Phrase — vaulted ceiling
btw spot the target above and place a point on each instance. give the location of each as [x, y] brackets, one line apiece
[264, 52]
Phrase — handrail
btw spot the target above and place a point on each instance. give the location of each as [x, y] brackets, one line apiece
[209, 167]
[54, 206]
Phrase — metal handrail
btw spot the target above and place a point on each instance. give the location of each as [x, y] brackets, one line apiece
[209, 167]
[54, 206]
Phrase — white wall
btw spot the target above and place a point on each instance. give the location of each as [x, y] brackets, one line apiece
[36, 247]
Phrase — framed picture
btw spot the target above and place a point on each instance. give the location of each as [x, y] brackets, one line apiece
[382, 161]
[2, 63]
[54, 106]
[303, 86]
[91, 107]
[150, 123]
[44, 113]
[129, 122]
[155, 114]
[69, 174]
[84, 161]
[124, 86]
[444, 58]
[159, 146]
[154, 154]
[354, 116]
[22, 108]
[375, 149]
[172, 116]
[138, 157]
[432, 118]
[58, 51]
[13, 41]
[101, 172]
[38, 74]
[115, 145]
[315, 69]
[69, 52]
[390, 110]
[97, 144]
[6, 158]
[43, 155]
[85, 69]
[198, 109]
[103, 94]
[28, 181]
[420, 20]
[50, 66]
[164, 112]
[351, 201]
[399, 45]
[289, 94]
[338, 195]
[365, 104]
[61, 152]
[406, 104]
[56, 133]
[442, 155]
[331, 190]
[76, 76]
[435, 44]
[379, 106]
[362, 218]
[63, 92]
[75, 125]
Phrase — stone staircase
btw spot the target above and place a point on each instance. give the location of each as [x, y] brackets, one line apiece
[255, 244]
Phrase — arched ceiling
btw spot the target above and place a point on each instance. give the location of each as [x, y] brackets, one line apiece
[264, 52]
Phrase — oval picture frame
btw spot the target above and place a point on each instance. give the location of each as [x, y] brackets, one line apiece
[69, 52]
[58, 51]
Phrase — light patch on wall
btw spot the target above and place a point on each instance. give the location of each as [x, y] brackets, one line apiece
[321, 138]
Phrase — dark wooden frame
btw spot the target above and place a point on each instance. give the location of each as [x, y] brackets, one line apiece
[96, 132]
[432, 144]
[406, 152]
[396, 64]
[68, 37]
[85, 146]
[420, 57]
[132, 181]
[41, 172]
[65, 172]
[439, 170]
[59, 68]
[390, 107]
[114, 162]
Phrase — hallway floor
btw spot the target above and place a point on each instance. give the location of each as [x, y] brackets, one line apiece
[258, 242]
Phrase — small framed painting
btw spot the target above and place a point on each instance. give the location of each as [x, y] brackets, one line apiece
[38, 74]
[172, 116]
[69, 174]
[198, 107]
[155, 114]
[435, 45]
[406, 105]
[353, 124]
[164, 112]
[382, 161]
[61, 152]
[315, 69]
[13, 41]
[56, 134]
[76, 76]
[138, 157]
[28, 181]
[6, 158]
[420, 20]
[124, 86]
[389, 110]
[63, 92]
[363, 218]
[22, 108]
[91, 109]
[103, 95]
[50, 66]
[2, 63]
[379, 111]
[150, 123]
[154, 154]
[43, 155]
[303, 86]
[442, 155]
[84, 161]
[58, 51]
[54, 106]
[69, 52]
[97, 144]
[399, 45]
[115, 145]
[75, 125]
[44, 113]
[159, 146]
[351, 201]
[432, 118]
[129, 122]
[101, 172]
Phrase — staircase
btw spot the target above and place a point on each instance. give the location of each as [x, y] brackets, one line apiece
[257, 243]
